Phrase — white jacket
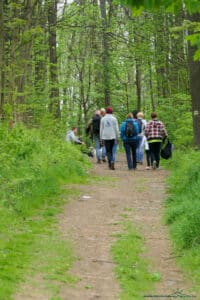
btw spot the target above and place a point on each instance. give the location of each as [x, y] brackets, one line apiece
[109, 128]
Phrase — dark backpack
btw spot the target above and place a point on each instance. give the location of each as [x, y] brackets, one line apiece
[96, 124]
[130, 129]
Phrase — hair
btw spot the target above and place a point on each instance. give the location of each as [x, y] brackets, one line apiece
[129, 116]
[97, 112]
[140, 114]
[109, 110]
[153, 115]
[135, 113]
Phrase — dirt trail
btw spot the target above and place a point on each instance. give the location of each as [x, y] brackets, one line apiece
[92, 221]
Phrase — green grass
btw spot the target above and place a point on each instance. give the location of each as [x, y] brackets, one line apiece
[34, 166]
[132, 269]
[182, 212]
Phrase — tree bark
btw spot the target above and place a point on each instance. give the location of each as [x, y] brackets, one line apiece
[138, 85]
[105, 58]
[2, 57]
[194, 68]
[54, 106]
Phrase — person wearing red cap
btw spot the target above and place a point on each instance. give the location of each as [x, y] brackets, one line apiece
[109, 134]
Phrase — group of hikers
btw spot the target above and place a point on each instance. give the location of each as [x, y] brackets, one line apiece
[138, 136]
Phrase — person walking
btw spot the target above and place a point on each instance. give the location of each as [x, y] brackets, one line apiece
[103, 148]
[96, 120]
[109, 134]
[129, 132]
[155, 132]
[140, 150]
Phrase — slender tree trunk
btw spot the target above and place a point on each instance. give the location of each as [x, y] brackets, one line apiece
[2, 57]
[105, 59]
[194, 67]
[54, 106]
[138, 85]
[151, 87]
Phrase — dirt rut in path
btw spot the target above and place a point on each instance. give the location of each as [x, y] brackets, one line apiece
[91, 222]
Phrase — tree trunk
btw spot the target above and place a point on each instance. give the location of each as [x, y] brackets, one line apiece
[151, 87]
[138, 85]
[105, 59]
[2, 57]
[194, 67]
[54, 106]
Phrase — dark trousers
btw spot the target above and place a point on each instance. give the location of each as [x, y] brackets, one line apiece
[148, 158]
[155, 152]
[109, 144]
[130, 149]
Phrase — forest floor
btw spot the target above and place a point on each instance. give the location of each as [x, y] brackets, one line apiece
[91, 222]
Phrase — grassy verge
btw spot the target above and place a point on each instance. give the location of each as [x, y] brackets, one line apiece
[183, 213]
[132, 269]
[34, 165]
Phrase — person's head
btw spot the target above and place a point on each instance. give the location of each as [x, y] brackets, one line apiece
[75, 129]
[140, 115]
[129, 116]
[109, 110]
[102, 111]
[135, 114]
[153, 115]
[97, 112]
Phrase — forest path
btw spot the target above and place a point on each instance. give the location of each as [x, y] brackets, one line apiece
[91, 223]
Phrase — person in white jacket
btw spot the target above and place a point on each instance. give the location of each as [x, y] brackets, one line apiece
[109, 134]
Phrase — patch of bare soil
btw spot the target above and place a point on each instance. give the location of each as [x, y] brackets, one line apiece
[91, 221]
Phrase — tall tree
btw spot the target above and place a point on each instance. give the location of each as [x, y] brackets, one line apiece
[54, 105]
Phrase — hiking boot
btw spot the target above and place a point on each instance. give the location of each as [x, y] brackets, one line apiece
[112, 167]
[98, 161]
[103, 159]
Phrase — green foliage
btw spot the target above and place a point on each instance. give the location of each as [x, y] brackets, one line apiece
[191, 6]
[34, 164]
[183, 205]
[132, 269]
[182, 212]
[176, 114]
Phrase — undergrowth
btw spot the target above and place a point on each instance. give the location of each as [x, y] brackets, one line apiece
[34, 165]
[183, 212]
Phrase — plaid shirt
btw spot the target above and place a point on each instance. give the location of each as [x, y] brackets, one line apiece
[155, 130]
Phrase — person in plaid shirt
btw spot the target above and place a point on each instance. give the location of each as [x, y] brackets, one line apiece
[155, 132]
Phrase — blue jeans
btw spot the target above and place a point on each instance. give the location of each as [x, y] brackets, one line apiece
[103, 151]
[130, 149]
[114, 151]
[139, 149]
[97, 146]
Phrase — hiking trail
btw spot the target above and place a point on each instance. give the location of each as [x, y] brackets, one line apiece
[92, 220]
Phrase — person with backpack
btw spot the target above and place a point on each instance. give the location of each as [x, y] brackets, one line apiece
[140, 149]
[129, 132]
[155, 132]
[109, 134]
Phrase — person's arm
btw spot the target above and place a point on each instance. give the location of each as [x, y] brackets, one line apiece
[117, 131]
[164, 131]
[75, 139]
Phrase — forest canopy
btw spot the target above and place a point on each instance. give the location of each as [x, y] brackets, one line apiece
[63, 59]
